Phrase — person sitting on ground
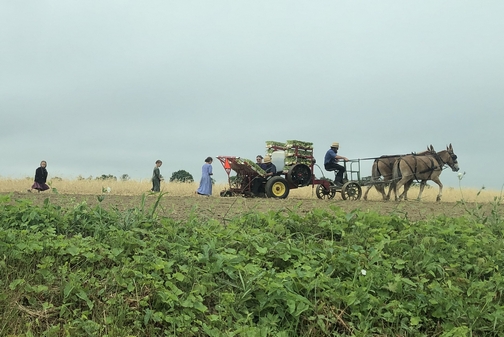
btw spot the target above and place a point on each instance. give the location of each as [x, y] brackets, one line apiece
[39, 183]
[270, 168]
[331, 163]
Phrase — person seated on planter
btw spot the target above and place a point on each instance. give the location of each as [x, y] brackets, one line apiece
[331, 163]
[259, 161]
[259, 181]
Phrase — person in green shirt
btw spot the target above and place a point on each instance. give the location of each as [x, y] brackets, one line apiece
[157, 177]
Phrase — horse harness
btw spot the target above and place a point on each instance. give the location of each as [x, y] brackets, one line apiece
[386, 160]
[433, 167]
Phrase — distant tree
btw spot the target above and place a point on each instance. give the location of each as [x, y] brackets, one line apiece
[125, 177]
[106, 177]
[181, 176]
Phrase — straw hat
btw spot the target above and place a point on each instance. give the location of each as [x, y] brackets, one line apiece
[335, 144]
[267, 159]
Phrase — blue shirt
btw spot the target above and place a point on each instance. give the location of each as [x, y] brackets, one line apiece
[330, 156]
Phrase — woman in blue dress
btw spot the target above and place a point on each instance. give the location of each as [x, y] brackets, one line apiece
[205, 187]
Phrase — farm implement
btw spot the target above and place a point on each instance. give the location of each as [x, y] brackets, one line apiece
[295, 168]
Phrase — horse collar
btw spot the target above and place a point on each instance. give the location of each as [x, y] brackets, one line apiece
[439, 159]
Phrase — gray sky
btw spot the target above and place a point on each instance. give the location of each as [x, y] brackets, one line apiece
[108, 87]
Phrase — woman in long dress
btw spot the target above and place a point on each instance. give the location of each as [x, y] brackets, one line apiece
[205, 187]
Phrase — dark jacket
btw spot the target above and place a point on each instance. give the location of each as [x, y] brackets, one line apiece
[41, 175]
[270, 168]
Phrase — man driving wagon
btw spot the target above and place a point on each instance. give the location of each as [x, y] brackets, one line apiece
[331, 160]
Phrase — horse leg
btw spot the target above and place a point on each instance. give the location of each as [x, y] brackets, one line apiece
[367, 191]
[437, 181]
[391, 187]
[407, 186]
[375, 178]
[422, 185]
[379, 187]
[387, 196]
[398, 186]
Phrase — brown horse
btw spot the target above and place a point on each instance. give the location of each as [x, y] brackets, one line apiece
[423, 168]
[383, 167]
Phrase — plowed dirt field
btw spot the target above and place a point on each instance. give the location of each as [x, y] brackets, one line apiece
[226, 208]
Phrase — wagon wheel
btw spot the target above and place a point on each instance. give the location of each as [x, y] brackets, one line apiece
[351, 191]
[323, 193]
[277, 187]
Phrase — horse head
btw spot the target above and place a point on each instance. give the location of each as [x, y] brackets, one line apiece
[450, 158]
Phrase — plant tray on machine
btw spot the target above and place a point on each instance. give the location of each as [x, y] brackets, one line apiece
[300, 152]
[271, 143]
[298, 143]
[289, 161]
[252, 165]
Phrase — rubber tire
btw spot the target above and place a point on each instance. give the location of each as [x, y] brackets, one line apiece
[277, 187]
[299, 175]
[324, 193]
[351, 191]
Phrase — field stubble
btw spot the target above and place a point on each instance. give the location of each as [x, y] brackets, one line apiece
[179, 199]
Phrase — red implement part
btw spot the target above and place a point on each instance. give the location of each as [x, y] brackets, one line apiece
[245, 170]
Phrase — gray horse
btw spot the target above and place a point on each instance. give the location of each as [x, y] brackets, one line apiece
[422, 168]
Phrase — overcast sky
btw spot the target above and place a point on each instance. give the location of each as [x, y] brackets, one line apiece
[109, 87]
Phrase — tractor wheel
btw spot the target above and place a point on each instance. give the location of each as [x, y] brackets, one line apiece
[299, 175]
[277, 187]
[325, 193]
[351, 191]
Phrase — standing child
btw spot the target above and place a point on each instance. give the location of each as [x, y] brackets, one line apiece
[40, 178]
[156, 177]
[205, 187]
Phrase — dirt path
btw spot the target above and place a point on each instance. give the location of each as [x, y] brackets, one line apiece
[220, 208]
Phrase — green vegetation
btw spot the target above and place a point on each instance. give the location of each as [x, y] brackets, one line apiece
[181, 176]
[89, 271]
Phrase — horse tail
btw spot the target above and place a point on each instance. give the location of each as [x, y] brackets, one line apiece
[396, 170]
[375, 171]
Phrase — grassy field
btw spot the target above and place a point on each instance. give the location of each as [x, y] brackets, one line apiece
[135, 187]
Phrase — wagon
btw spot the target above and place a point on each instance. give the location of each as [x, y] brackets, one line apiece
[299, 173]
[353, 182]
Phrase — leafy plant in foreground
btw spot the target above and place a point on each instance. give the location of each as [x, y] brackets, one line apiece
[85, 270]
